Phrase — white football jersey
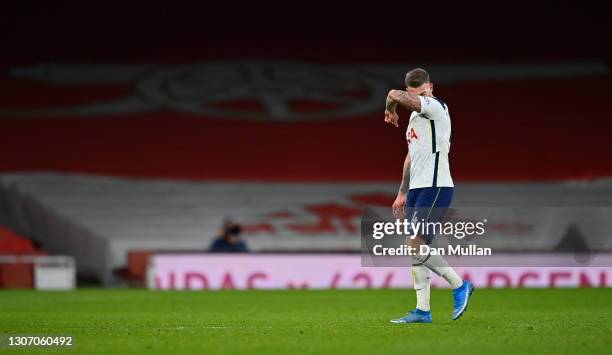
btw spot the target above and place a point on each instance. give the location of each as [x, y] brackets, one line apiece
[428, 137]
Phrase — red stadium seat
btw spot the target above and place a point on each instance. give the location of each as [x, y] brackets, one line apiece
[137, 263]
[17, 275]
[11, 243]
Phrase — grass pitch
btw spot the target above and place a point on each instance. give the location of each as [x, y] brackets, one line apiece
[562, 321]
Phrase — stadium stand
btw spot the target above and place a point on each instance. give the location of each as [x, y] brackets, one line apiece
[488, 128]
[111, 151]
[100, 220]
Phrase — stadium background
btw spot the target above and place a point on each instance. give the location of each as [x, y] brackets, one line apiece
[131, 131]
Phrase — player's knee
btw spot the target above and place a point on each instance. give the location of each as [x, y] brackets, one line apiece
[419, 255]
[418, 258]
[415, 242]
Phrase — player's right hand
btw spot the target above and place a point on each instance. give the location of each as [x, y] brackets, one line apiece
[391, 118]
[399, 205]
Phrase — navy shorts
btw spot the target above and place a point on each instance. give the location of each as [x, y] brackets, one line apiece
[428, 204]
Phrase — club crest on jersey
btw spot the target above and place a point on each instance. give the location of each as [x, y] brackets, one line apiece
[410, 135]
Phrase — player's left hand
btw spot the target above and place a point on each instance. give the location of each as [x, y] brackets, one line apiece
[399, 205]
[391, 118]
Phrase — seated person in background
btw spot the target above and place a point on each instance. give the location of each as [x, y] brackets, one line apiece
[229, 241]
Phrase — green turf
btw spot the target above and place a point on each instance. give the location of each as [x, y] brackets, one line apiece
[570, 321]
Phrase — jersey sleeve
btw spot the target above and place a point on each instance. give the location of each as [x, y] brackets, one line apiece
[431, 108]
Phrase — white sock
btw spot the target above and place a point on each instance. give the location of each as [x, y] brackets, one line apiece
[437, 264]
[421, 278]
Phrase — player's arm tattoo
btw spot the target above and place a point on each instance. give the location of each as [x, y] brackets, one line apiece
[405, 99]
[390, 104]
[404, 186]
